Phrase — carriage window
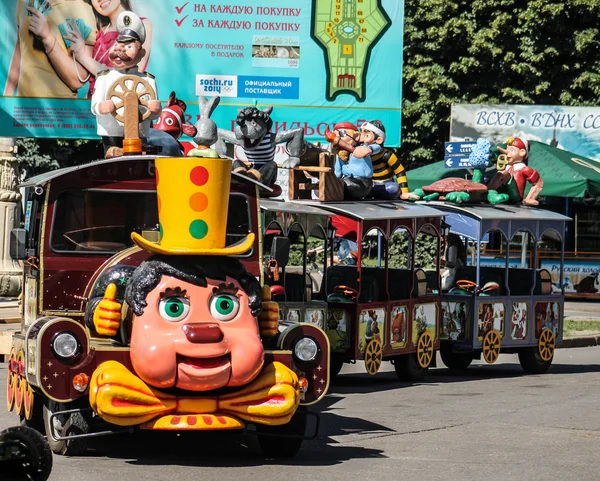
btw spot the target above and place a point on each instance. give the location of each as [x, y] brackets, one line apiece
[273, 271]
[426, 258]
[520, 273]
[295, 280]
[101, 222]
[399, 273]
[315, 261]
[548, 270]
[372, 260]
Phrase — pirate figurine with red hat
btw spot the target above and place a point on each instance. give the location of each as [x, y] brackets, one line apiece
[172, 120]
[343, 139]
[511, 182]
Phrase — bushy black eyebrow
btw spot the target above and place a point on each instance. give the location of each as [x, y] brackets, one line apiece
[177, 292]
[225, 288]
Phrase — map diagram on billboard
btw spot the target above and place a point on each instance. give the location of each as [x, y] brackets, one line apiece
[347, 31]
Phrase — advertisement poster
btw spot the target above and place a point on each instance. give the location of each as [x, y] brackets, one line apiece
[316, 62]
[580, 276]
[576, 129]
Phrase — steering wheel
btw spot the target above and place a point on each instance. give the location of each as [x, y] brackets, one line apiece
[130, 84]
[90, 247]
[346, 291]
[465, 284]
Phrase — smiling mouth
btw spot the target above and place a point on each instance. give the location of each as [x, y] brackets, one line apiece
[204, 362]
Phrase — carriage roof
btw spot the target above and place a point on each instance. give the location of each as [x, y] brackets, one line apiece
[475, 220]
[42, 179]
[377, 210]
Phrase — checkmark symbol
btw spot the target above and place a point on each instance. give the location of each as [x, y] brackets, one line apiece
[180, 9]
[179, 22]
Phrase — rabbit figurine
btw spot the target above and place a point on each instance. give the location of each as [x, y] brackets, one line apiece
[206, 134]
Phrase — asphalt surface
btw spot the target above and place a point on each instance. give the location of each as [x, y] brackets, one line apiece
[582, 310]
[492, 423]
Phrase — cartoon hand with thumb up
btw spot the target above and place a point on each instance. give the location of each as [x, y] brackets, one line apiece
[107, 315]
[268, 319]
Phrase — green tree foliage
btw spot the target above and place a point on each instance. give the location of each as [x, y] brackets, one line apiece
[493, 51]
[37, 156]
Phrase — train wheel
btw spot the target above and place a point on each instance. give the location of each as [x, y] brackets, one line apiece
[282, 441]
[36, 417]
[65, 425]
[373, 356]
[20, 394]
[336, 363]
[455, 360]
[28, 402]
[425, 350]
[491, 347]
[11, 383]
[32, 456]
[11, 390]
[546, 345]
[538, 359]
[408, 368]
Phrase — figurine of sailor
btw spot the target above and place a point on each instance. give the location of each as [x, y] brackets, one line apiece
[125, 54]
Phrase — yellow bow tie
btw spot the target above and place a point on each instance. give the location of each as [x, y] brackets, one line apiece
[122, 398]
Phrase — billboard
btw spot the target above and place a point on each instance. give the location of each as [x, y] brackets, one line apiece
[576, 129]
[316, 61]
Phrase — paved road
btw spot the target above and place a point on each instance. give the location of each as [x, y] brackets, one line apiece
[493, 423]
[583, 310]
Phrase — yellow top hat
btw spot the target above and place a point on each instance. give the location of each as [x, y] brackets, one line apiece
[193, 200]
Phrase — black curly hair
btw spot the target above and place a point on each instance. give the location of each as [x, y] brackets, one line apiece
[193, 269]
[249, 113]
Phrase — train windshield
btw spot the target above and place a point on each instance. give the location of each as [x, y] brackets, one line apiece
[101, 221]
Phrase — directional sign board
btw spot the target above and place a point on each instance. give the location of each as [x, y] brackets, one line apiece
[458, 148]
[456, 154]
[457, 162]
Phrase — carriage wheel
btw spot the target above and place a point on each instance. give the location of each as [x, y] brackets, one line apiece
[425, 350]
[11, 390]
[373, 356]
[546, 344]
[20, 395]
[20, 386]
[28, 402]
[11, 383]
[491, 347]
[136, 85]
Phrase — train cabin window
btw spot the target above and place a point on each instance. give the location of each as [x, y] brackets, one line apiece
[100, 221]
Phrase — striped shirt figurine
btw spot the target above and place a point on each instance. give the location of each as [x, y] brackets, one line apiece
[263, 153]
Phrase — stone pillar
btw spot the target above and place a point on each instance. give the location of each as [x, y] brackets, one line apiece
[10, 217]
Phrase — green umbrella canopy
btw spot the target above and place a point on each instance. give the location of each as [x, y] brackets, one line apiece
[565, 174]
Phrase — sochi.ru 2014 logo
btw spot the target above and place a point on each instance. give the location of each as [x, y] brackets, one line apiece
[211, 85]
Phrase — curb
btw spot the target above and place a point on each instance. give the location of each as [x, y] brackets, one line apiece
[580, 342]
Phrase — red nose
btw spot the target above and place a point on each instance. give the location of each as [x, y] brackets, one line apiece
[202, 332]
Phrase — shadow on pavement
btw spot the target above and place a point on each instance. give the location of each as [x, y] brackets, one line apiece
[361, 383]
[231, 449]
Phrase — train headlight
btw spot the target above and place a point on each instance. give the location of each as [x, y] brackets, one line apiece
[65, 345]
[306, 349]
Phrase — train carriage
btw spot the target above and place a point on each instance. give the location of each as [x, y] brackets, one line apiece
[378, 300]
[504, 306]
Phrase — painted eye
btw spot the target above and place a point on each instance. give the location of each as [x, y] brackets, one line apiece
[169, 121]
[224, 307]
[174, 309]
